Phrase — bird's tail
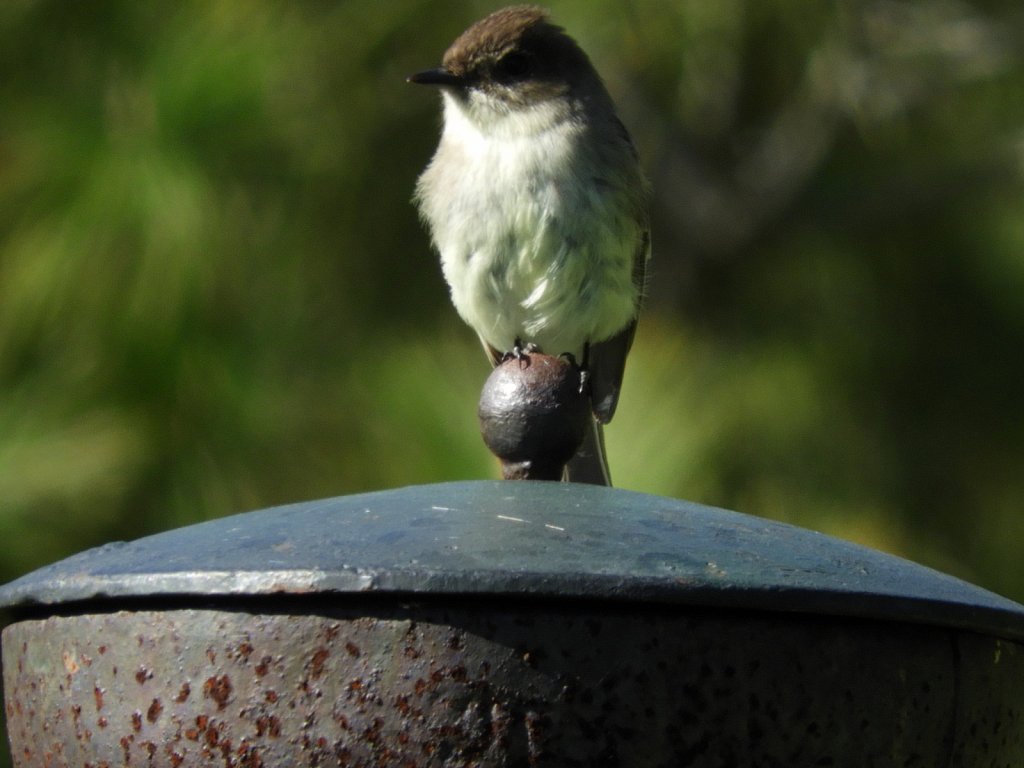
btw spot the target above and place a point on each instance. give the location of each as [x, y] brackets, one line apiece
[589, 465]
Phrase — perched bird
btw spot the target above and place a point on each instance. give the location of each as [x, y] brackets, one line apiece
[537, 204]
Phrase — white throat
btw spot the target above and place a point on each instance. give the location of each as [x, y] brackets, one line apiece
[484, 117]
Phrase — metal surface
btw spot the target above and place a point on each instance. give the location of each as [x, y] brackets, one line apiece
[527, 539]
[507, 624]
[494, 683]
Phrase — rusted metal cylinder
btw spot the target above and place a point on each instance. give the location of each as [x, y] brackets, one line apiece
[506, 624]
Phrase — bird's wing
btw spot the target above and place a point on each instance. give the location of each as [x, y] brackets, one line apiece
[606, 359]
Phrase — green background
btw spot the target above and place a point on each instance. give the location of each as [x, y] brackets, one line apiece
[216, 296]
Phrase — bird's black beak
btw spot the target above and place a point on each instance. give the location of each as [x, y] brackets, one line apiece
[439, 76]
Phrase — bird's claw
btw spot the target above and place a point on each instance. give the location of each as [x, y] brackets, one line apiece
[520, 351]
[570, 358]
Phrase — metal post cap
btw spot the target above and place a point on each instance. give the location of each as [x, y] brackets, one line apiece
[528, 539]
[493, 624]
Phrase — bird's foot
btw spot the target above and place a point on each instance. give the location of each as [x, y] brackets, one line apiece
[570, 358]
[584, 373]
[584, 379]
[520, 351]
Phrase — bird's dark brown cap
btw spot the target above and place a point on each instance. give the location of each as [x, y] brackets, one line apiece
[518, 29]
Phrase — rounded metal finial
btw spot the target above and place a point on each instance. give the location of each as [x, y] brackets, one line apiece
[533, 415]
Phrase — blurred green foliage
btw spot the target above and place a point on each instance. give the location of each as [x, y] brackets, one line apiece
[216, 296]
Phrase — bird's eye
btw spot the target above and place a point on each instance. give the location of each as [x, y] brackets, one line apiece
[513, 66]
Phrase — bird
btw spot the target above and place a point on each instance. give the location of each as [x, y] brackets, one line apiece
[537, 204]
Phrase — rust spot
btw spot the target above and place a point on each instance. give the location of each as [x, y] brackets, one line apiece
[268, 725]
[225, 749]
[536, 728]
[270, 696]
[176, 759]
[245, 650]
[411, 653]
[249, 757]
[263, 667]
[136, 721]
[218, 689]
[153, 713]
[332, 632]
[97, 694]
[102, 722]
[184, 693]
[69, 663]
[353, 649]
[126, 743]
[501, 722]
[316, 664]
[459, 674]
[142, 675]
[372, 731]
[420, 686]
[454, 642]
[355, 685]
[211, 655]
[102, 649]
[402, 704]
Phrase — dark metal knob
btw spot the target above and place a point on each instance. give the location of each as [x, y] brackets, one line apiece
[533, 415]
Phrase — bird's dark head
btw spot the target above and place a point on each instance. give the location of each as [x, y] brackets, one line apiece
[515, 55]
